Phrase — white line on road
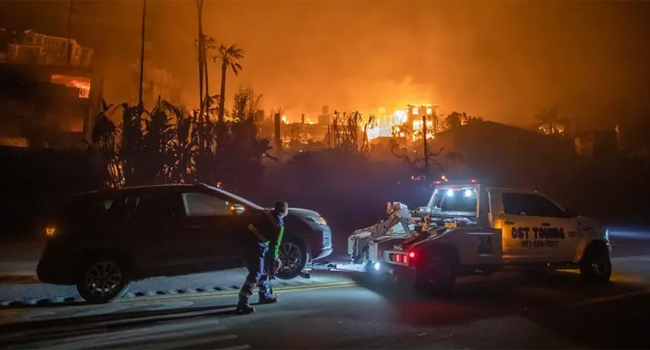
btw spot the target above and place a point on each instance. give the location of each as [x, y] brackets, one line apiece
[238, 347]
[187, 343]
[145, 335]
[103, 324]
[611, 298]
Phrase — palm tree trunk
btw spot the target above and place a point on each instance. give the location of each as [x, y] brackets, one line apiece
[222, 94]
[144, 13]
[207, 90]
[199, 8]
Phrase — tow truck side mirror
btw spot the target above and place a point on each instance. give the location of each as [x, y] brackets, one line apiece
[570, 213]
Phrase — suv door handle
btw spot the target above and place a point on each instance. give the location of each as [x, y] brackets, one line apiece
[546, 224]
[508, 222]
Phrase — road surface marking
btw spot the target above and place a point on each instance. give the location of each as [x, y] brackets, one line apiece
[113, 339]
[75, 329]
[190, 297]
[238, 347]
[187, 343]
[286, 290]
[611, 298]
[223, 294]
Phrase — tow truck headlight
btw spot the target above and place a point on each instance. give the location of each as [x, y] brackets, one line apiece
[317, 220]
[377, 266]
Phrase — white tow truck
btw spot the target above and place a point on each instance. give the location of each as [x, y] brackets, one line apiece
[468, 228]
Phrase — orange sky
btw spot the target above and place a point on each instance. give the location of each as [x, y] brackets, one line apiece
[501, 60]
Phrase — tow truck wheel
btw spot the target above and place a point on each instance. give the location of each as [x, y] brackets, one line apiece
[437, 274]
[595, 266]
[294, 257]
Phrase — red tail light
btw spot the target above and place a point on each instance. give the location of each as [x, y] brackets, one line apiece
[412, 255]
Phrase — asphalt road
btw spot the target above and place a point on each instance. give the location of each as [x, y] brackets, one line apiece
[507, 310]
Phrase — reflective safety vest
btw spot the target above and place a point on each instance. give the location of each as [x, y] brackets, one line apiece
[265, 240]
[258, 234]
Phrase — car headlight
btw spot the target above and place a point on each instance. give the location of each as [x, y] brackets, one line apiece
[317, 220]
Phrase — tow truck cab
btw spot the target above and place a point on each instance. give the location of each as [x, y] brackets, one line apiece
[478, 229]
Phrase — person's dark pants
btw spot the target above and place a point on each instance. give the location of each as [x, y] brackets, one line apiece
[255, 259]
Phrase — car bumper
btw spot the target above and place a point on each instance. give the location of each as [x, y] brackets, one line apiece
[56, 268]
[325, 247]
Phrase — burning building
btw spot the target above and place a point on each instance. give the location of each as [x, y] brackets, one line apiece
[31, 47]
[45, 90]
[406, 123]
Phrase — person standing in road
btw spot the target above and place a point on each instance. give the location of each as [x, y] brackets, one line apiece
[266, 230]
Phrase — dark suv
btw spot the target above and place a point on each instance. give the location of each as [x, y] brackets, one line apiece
[104, 240]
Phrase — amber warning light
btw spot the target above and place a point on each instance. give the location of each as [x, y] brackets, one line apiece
[50, 230]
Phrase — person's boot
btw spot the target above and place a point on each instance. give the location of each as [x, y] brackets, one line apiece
[243, 307]
[268, 298]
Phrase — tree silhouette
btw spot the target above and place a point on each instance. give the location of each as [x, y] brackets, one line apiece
[228, 56]
[208, 45]
[549, 117]
[454, 120]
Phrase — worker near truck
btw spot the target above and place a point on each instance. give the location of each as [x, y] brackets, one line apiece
[261, 254]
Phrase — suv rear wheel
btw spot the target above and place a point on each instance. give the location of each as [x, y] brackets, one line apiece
[103, 278]
[294, 256]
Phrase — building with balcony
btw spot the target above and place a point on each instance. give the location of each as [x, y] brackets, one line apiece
[30, 47]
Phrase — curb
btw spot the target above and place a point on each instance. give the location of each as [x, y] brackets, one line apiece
[214, 291]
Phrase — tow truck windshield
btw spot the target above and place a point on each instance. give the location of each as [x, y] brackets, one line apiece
[460, 201]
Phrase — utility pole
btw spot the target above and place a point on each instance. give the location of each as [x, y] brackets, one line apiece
[144, 14]
[277, 136]
[70, 34]
[426, 150]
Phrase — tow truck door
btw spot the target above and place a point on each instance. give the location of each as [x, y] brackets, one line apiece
[534, 229]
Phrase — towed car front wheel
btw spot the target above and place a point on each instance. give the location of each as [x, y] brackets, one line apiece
[293, 255]
[102, 280]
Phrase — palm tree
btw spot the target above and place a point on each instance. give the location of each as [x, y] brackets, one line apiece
[207, 47]
[199, 9]
[229, 57]
[144, 13]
